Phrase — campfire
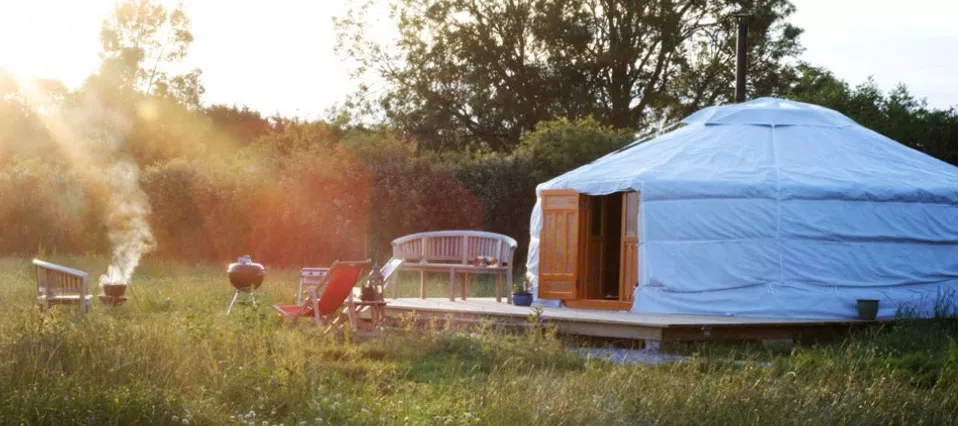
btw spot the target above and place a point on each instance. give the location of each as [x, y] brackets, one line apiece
[114, 294]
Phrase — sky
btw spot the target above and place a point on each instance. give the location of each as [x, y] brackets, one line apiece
[277, 56]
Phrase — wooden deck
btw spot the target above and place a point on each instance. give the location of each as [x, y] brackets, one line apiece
[622, 325]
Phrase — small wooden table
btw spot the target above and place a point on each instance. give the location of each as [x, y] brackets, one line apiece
[377, 311]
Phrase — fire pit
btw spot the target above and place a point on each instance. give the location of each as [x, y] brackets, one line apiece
[114, 294]
[246, 277]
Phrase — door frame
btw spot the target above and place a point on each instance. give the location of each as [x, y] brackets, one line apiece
[577, 298]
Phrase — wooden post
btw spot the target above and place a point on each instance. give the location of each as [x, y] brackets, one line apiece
[422, 284]
[84, 290]
[452, 284]
[465, 284]
[422, 274]
[393, 282]
[498, 287]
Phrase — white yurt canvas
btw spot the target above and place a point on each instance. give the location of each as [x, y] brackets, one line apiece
[773, 208]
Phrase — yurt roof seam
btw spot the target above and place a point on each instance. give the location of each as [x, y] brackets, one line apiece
[778, 206]
[722, 123]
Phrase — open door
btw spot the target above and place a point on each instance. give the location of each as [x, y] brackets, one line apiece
[629, 269]
[559, 244]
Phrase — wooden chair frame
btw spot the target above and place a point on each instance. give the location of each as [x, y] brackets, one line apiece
[314, 296]
[59, 285]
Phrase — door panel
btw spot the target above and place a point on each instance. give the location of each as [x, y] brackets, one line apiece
[629, 269]
[559, 245]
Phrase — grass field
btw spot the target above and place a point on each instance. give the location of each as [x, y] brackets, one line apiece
[172, 356]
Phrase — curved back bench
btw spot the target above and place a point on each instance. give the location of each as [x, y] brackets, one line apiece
[457, 252]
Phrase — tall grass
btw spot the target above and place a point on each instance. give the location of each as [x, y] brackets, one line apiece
[171, 355]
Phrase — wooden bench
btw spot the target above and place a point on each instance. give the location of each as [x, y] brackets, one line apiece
[456, 252]
[59, 285]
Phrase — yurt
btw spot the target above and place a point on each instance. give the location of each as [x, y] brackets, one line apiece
[768, 208]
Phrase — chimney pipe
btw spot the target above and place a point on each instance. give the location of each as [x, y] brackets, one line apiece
[741, 51]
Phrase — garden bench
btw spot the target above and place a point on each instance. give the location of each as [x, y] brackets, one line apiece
[59, 285]
[457, 252]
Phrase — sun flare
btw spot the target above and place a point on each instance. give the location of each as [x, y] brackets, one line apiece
[51, 38]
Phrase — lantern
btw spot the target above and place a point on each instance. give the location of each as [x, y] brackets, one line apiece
[372, 291]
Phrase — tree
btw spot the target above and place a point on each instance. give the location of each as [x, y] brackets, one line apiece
[557, 146]
[139, 44]
[22, 109]
[483, 72]
[897, 114]
[242, 124]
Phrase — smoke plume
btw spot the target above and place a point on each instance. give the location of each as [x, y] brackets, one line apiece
[92, 136]
[126, 214]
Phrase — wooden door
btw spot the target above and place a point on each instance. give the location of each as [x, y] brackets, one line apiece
[629, 264]
[559, 245]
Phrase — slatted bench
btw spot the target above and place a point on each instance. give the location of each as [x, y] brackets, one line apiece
[59, 285]
[456, 252]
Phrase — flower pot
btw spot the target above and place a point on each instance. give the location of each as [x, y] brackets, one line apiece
[867, 309]
[522, 299]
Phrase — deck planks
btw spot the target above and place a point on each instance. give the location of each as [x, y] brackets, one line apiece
[621, 324]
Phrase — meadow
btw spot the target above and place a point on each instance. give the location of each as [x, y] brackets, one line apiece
[172, 355]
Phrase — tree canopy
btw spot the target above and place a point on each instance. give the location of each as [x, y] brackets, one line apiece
[466, 73]
[141, 42]
[897, 114]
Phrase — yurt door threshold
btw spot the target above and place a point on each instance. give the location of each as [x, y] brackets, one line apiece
[588, 255]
